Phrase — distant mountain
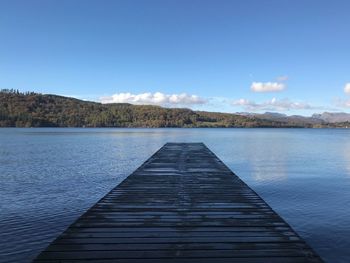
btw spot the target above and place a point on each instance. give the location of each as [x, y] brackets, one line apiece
[38, 110]
[333, 117]
[274, 116]
[266, 114]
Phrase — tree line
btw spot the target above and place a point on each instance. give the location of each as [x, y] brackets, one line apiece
[29, 109]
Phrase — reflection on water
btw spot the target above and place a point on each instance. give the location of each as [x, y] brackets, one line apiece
[48, 177]
[268, 162]
[346, 154]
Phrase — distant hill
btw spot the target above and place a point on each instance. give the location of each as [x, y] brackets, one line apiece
[301, 120]
[38, 110]
[333, 117]
[323, 120]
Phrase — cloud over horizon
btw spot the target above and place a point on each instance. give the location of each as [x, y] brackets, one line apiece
[156, 98]
[195, 101]
[267, 86]
[282, 78]
[273, 105]
[347, 88]
[342, 103]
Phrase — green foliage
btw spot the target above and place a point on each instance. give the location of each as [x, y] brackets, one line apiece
[36, 110]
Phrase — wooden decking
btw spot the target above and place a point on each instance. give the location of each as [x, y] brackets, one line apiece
[181, 205]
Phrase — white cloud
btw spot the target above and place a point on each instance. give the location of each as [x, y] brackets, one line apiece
[341, 103]
[347, 88]
[282, 78]
[156, 98]
[267, 86]
[272, 105]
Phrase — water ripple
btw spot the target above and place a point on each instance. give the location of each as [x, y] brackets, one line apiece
[49, 177]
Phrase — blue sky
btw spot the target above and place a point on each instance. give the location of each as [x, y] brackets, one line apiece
[286, 56]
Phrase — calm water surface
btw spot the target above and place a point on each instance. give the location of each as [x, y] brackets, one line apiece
[49, 177]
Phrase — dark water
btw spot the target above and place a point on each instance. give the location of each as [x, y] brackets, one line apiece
[48, 177]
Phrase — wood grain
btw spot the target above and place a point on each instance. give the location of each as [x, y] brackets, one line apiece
[182, 205]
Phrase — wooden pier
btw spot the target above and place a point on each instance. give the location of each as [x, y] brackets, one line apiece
[182, 205]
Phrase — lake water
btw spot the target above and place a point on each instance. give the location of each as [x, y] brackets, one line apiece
[49, 177]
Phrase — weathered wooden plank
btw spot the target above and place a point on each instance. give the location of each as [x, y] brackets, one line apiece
[175, 253]
[181, 246]
[181, 229]
[182, 205]
[193, 260]
[174, 234]
[171, 240]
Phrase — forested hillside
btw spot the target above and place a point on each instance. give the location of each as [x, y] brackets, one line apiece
[38, 110]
